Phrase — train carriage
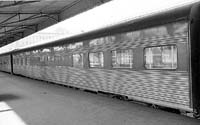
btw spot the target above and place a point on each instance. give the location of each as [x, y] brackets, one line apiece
[5, 63]
[153, 59]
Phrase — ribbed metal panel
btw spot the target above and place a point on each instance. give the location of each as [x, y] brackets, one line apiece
[153, 41]
[168, 87]
[164, 87]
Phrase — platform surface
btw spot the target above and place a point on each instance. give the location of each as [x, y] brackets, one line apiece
[25, 101]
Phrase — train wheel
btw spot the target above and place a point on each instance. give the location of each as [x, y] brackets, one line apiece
[196, 115]
[155, 106]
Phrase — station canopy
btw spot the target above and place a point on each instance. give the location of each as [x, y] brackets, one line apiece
[106, 15]
[17, 16]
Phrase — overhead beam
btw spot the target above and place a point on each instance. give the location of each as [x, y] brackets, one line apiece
[11, 12]
[16, 3]
[17, 25]
[11, 31]
[14, 32]
[52, 18]
[19, 35]
[8, 36]
[29, 18]
[8, 19]
[70, 5]
[15, 29]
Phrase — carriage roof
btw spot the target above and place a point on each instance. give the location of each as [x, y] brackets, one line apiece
[107, 18]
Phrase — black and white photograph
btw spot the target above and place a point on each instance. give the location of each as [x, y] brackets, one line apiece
[99, 62]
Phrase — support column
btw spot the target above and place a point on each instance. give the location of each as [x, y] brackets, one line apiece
[11, 64]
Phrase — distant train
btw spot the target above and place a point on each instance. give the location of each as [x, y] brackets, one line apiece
[154, 59]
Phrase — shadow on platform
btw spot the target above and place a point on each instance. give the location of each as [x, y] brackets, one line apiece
[8, 97]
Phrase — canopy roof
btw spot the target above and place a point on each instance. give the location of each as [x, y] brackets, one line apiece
[16, 16]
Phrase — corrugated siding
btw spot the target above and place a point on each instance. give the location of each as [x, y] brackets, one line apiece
[153, 41]
[163, 87]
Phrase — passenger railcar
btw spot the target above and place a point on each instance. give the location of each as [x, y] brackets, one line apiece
[5, 63]
[153, 59]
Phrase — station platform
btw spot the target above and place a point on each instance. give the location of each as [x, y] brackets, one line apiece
[25, 101]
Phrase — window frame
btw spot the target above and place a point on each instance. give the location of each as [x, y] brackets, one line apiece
[74, 46]
[82, 60]
[122, 67]
[144, 59]
[89, 59]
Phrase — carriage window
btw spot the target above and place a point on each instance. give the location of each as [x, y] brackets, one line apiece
[122, 58]
[96, 59]
[58, 60]
[25, 60]
[75, 46]
[95, 42]
[28, 61]
[59, 48]
[163, 57]
[21, 61]
[77, 60]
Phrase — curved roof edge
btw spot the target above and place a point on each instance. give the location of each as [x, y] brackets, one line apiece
[107, 17]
